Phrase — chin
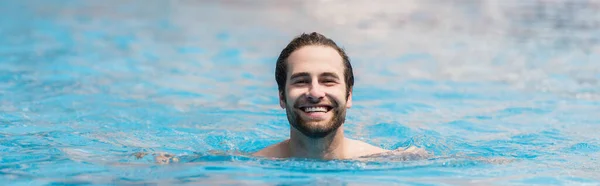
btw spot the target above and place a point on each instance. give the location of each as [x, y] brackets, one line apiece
[316, 124]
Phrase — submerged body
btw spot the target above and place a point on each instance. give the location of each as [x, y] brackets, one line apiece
[352, 149]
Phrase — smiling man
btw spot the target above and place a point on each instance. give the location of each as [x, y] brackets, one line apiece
[315, 81]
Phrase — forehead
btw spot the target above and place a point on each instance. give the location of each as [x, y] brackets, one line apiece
[315, 60]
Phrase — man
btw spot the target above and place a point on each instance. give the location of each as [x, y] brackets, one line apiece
[315, 81]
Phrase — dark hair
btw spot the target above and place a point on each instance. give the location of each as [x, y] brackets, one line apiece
[308, 40]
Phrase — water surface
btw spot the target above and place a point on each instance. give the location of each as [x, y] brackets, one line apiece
[502, 93]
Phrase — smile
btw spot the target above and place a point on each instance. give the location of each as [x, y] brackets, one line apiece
[311, 109]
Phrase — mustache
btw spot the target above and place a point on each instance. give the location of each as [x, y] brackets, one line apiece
[304, 99]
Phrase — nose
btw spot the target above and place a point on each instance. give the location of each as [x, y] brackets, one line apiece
[316, 93]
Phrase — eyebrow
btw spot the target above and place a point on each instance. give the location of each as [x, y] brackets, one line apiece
[301, 74]
[330, 74]
[306, 74]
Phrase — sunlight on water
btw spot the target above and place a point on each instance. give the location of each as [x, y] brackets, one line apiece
[501, 92]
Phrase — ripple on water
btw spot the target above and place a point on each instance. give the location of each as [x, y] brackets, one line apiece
[85, 84]
[583, 148]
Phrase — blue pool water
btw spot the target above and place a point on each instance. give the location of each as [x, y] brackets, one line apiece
[501, 92]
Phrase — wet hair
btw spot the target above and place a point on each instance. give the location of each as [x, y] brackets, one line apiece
[312, 39]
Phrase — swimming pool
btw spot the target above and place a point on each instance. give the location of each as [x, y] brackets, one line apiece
[502, 93]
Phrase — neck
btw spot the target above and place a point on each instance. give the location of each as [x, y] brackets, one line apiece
[328, 147]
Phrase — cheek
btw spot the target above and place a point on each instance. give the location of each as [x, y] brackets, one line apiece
[293, 93]
[339, 93]
[290, 97]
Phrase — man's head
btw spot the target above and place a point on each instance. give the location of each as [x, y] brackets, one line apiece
[315, 81]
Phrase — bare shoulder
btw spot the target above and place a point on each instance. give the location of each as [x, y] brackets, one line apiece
[402, 154]
[279, 150]
[413, 150]
[410, 153]
[360, 148]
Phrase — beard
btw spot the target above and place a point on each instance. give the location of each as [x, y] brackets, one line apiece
[320, 130]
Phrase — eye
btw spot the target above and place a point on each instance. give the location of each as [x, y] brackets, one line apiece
[302, 81]
[329, 82]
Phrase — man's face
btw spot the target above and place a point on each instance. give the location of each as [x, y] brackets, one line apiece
[315, 91]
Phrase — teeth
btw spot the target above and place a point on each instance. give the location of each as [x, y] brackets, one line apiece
[315, 109]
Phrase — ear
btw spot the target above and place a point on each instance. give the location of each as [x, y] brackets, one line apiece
[349, 100]
[281, 100]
